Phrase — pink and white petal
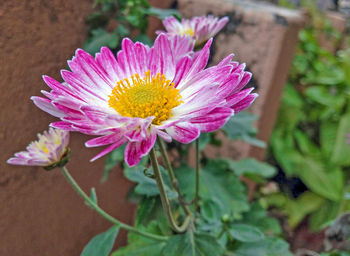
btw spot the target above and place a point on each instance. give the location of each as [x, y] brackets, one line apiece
[128, 59]
[59, 88]
[103, 140]
[162, 58]
[199, 63]
[134, 151]
[17, 161]
[183, 132]
[246, 78]
[95, 113]
[171, 24]
[38, 162]
[164, 135]
[182, 68]
[227, 60]
[213, 120]
[90, 71]
[245, 103]
[108, 63]
[66, 126]
[237, 97]
[87, 92]
[109, 149]
[47, 106]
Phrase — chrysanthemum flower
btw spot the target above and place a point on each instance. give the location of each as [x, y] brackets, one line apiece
[143, 93]
[50, 149]
[201, 29]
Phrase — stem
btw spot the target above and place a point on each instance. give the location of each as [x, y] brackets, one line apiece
[173, 179]
[196, 198]
[91, 203]
[164, 198]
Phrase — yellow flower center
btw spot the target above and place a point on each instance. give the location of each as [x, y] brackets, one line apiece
[144, 97]
[187, 31]
[41, 145]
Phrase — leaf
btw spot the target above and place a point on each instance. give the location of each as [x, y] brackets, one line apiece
[99, 38]
[204, 140]
[101, 244]
[145, 185]
[305, 145]
[216, 183]
[143, 38]
[341, 150]
[93, 195]
[212, 210]
[192, 244]
[257, 217]
[269, 246]
[245, 233]
[327, 212]
[298, 209]
[252, 166]
[326, 181]
[140, 249]
[112, 160]
[328, 134]
[163, 13]
[240, 126]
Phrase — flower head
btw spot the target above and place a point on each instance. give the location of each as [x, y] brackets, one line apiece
[201, 29]
[50, 149]
[143, 93]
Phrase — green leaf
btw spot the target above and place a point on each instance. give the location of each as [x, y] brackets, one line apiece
[192, 244]
[341, 150]
[143, 38]
[324, 180]
[112, 160]
[216, 183]
[240, 126]
[163, 13]
[99, 38]
[245, 233]
[269, 246]
[328, 134]
[204, 140]
[252, 166]
[257, 217]
[327, 212]
[146, 185]
[122, 30]
[93, 195]
[211, 210]
[305, 145]
[101, 244]
[140, 249]
[298, 209]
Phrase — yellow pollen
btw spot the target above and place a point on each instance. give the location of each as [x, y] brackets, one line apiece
[187, 31]
[41, 145]
[144, 97]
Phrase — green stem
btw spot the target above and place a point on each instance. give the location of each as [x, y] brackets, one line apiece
[196, 198]
[91, 203]
[173, 179]
[164, 198]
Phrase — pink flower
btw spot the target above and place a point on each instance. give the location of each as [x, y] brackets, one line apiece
[143, 93]
[201, 29]
[48, 150]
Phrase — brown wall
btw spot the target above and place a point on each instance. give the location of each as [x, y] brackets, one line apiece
[40, 214]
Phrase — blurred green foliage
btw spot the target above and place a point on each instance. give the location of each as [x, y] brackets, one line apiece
[113, 20]
[309, 140]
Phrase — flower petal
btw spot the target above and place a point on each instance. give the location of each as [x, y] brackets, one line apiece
[184, 132]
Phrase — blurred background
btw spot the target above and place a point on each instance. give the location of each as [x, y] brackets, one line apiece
[298, 52]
